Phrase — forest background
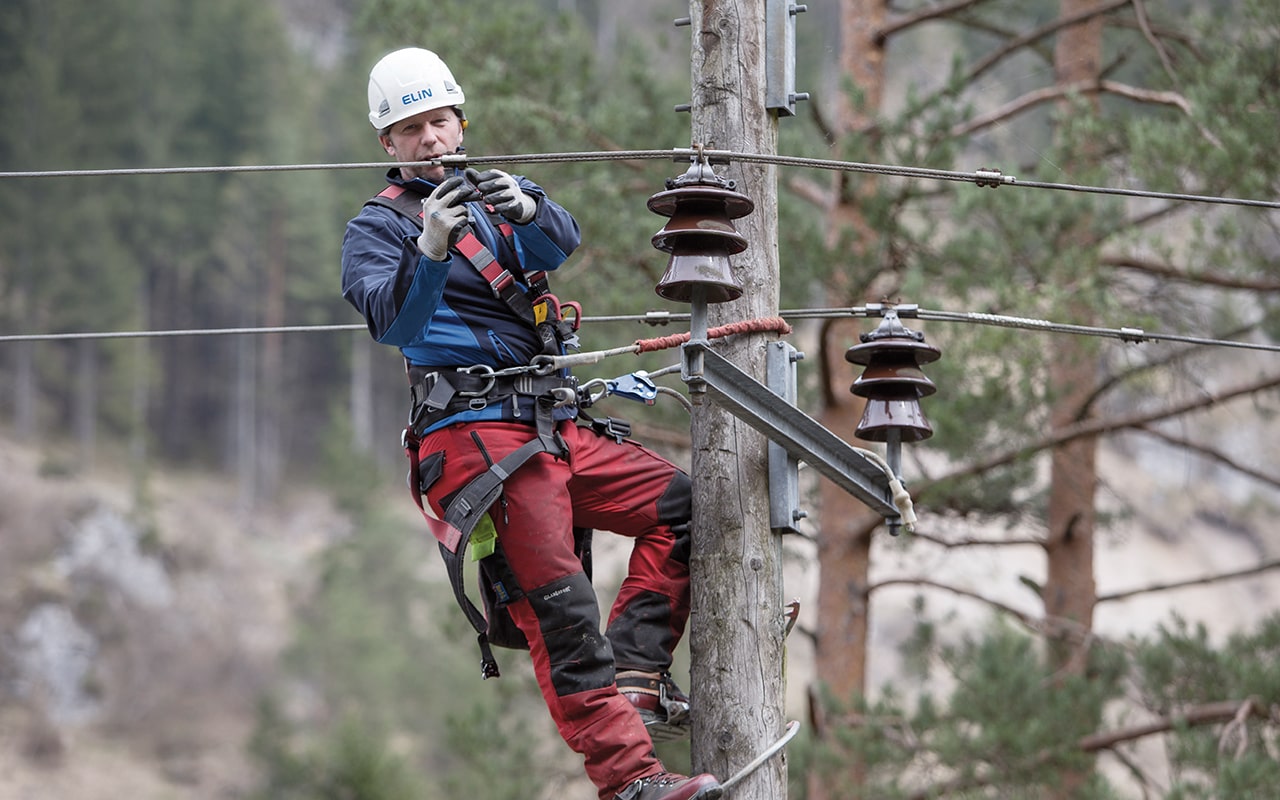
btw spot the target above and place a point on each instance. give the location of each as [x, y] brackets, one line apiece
[212, 585]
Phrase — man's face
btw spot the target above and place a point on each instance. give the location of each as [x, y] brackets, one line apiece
[424, 137]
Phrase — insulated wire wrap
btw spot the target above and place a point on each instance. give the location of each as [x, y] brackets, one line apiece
[761, 325]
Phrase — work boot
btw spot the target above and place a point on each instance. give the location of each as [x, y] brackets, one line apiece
[662, 705]
[669, 786]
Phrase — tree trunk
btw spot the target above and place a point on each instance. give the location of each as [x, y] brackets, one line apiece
[1070, 591]
[85, 403]
[140, 401]
[25, 384]
[243, 424]
[844, 537]
[361, 395]
[272, 378]
[25, 422]
[736, 627]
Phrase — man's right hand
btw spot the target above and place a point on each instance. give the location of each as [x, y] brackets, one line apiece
[444, 216]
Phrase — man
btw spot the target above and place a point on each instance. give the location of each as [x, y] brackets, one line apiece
[458, 288]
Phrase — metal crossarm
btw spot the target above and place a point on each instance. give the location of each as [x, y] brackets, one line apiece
[801, 435]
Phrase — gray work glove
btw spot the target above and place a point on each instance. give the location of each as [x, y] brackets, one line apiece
[503, 192]
[444, 217]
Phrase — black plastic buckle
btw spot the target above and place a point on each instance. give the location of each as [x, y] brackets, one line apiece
[617, 429]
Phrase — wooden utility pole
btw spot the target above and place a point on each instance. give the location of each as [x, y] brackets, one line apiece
[736, 629]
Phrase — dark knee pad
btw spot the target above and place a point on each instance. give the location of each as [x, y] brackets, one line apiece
[568, 616]
[675, 509]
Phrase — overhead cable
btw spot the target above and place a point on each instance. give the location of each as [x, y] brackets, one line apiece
[986, 177]
[163, 334]
[1126, 334]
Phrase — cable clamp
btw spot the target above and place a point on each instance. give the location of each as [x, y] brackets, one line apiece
[1133, 335]
[987, 177]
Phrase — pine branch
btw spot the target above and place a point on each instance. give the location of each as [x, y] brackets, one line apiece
[1096, 427]
[1051, 93]
[1171, 357]
[1021, 616]
[1167, 271]
[1030, 38]
[1151, 96]
[1140, 11]
[1017, 106]
[1161, 98]
[976, 542]
[1257, 569]
[1207, 714]
[923, 15]
[811, 192]
[1213, 455]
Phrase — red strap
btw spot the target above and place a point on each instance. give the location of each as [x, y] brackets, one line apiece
[406, 206]
[484, 262]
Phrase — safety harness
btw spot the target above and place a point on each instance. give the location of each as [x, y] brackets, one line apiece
[544, 311]
[437, 394]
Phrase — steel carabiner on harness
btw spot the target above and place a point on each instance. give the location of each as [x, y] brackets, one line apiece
[549, 314]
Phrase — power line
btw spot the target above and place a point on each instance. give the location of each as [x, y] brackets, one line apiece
[990, 178]
[164, 334]
[458, 161]
[655, 318]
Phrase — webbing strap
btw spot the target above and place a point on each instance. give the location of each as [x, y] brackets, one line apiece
[501, 281]
[462, 514]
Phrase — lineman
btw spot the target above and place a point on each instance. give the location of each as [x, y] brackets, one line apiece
[447, 266]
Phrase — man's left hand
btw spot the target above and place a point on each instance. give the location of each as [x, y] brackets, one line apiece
[501, 191]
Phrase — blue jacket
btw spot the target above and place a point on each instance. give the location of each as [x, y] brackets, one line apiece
[442, 314]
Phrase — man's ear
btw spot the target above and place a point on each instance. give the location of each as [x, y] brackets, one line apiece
[386, 144]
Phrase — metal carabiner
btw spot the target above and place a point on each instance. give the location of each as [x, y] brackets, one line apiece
[564, 396]
[577, 313]
[587, 395]
[480, 369]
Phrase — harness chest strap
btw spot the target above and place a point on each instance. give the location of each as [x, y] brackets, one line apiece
[501, 281]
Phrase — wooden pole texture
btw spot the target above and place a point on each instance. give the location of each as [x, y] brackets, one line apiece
[736, 629]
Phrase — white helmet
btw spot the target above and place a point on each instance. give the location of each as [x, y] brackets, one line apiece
[408, 82]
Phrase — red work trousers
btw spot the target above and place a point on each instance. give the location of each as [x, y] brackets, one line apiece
[606, 485]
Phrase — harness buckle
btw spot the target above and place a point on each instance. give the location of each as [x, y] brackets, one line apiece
[484, 370]
[421, 389]
[614, 428]
[564, 396]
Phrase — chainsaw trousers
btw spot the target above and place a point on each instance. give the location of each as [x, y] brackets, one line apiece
[606, 485]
